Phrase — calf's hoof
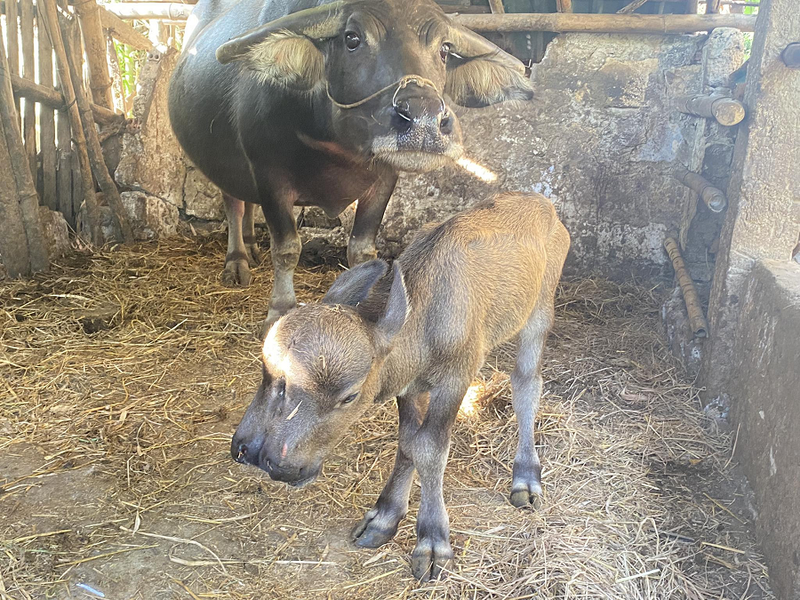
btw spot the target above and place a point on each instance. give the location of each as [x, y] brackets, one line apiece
[236, 273]
[430, 558]
[376, 528]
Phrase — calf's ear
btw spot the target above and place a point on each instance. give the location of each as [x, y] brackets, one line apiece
[353, 286]
[394, 316]
[479, 73]
[284, 51]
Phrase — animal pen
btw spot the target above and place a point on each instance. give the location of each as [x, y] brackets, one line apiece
[666, 134]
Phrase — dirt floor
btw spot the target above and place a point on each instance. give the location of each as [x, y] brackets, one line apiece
[124, 373]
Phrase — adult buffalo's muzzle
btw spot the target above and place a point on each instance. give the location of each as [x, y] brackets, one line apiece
[422, 120]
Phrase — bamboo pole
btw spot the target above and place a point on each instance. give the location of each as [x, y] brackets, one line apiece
[26, 190]
[727, 111]
[123, 32]
[589, 23]
[53, 98]
[697, 320]
[50, 13]
[95, 41]
[47, 121]
[28, 72]
[713, 197]
[95, 151]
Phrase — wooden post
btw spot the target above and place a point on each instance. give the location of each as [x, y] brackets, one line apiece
[12, 35]
[712, 7]
[691, 7]
[726, 111]
[95, 151]
[28, 72]
[13, 242]
[47, 121]
[697, 321]
[497, 7]
[713, 197]
[588, 23]
[50, 13]
[564, 6]
[25, 195]
[100, 83]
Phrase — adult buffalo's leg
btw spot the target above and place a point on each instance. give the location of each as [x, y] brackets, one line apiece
[254, 253]
[380, 524]
[429, 449]
[285, 246]
[369, 215]
[237, 267]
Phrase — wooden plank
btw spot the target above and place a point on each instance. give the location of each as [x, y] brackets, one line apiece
[47, 121]
[27, 44]
[123, 32]
[588, 23]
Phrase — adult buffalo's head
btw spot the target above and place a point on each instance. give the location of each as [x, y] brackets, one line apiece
[389, 68]
[321, 372]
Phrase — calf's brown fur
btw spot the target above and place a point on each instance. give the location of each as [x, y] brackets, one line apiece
[418, 332]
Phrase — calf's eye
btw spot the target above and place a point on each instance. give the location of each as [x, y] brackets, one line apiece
[349, 399]
[444, 51]
[352, 40]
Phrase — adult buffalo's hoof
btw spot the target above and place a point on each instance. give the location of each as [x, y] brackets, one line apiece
[237, 273]
[376, 528]
[430, 558]
[526, 494]
[255, 255]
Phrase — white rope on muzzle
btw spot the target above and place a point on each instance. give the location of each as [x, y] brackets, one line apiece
[400, 84]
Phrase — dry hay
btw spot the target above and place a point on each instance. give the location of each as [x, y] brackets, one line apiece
[124, 374]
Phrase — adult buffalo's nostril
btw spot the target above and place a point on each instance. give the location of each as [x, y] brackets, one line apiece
[403, 109]
[446, 124]
[241, 453]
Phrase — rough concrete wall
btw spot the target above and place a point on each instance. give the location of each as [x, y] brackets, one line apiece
[763, 217]
[766, 405]
[599, 139]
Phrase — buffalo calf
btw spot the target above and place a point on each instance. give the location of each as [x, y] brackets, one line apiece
[419, 332]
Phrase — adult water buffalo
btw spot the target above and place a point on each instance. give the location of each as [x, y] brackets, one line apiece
[313, 102]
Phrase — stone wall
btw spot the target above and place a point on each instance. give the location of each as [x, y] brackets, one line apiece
[766, 405]
[600, 139]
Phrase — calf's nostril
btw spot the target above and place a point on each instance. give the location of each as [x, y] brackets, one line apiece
[242, 453]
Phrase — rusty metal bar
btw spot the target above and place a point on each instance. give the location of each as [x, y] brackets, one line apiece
[713, 197]
[697, 320]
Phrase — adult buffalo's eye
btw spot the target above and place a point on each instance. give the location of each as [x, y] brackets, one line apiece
[352, 40]
[444, 51]
[281, 391]
[349, 399]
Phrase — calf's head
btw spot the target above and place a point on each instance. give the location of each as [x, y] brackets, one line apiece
[321, 370]
[389, 67]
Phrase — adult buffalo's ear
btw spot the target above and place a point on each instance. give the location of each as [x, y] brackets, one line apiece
[353, 286]
[479, 73]
[284, 51]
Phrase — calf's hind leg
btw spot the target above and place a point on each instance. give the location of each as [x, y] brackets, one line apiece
[526, 389]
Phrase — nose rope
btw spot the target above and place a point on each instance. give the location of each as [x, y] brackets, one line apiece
[400, 84]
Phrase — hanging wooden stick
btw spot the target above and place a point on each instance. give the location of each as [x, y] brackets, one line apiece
[26, 190]
[697, 319]
[631, 7]
[95, 151]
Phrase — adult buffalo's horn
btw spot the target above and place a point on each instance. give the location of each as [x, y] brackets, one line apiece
[469, 45]
[317, 23]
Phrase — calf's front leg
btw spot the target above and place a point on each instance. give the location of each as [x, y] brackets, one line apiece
[429, 449]
[380, 524]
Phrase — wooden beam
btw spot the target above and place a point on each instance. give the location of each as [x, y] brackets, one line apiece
[124, 33]
[174, 11]
[23, 88]
[95, 41]
[589, 23]
[726, 111]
